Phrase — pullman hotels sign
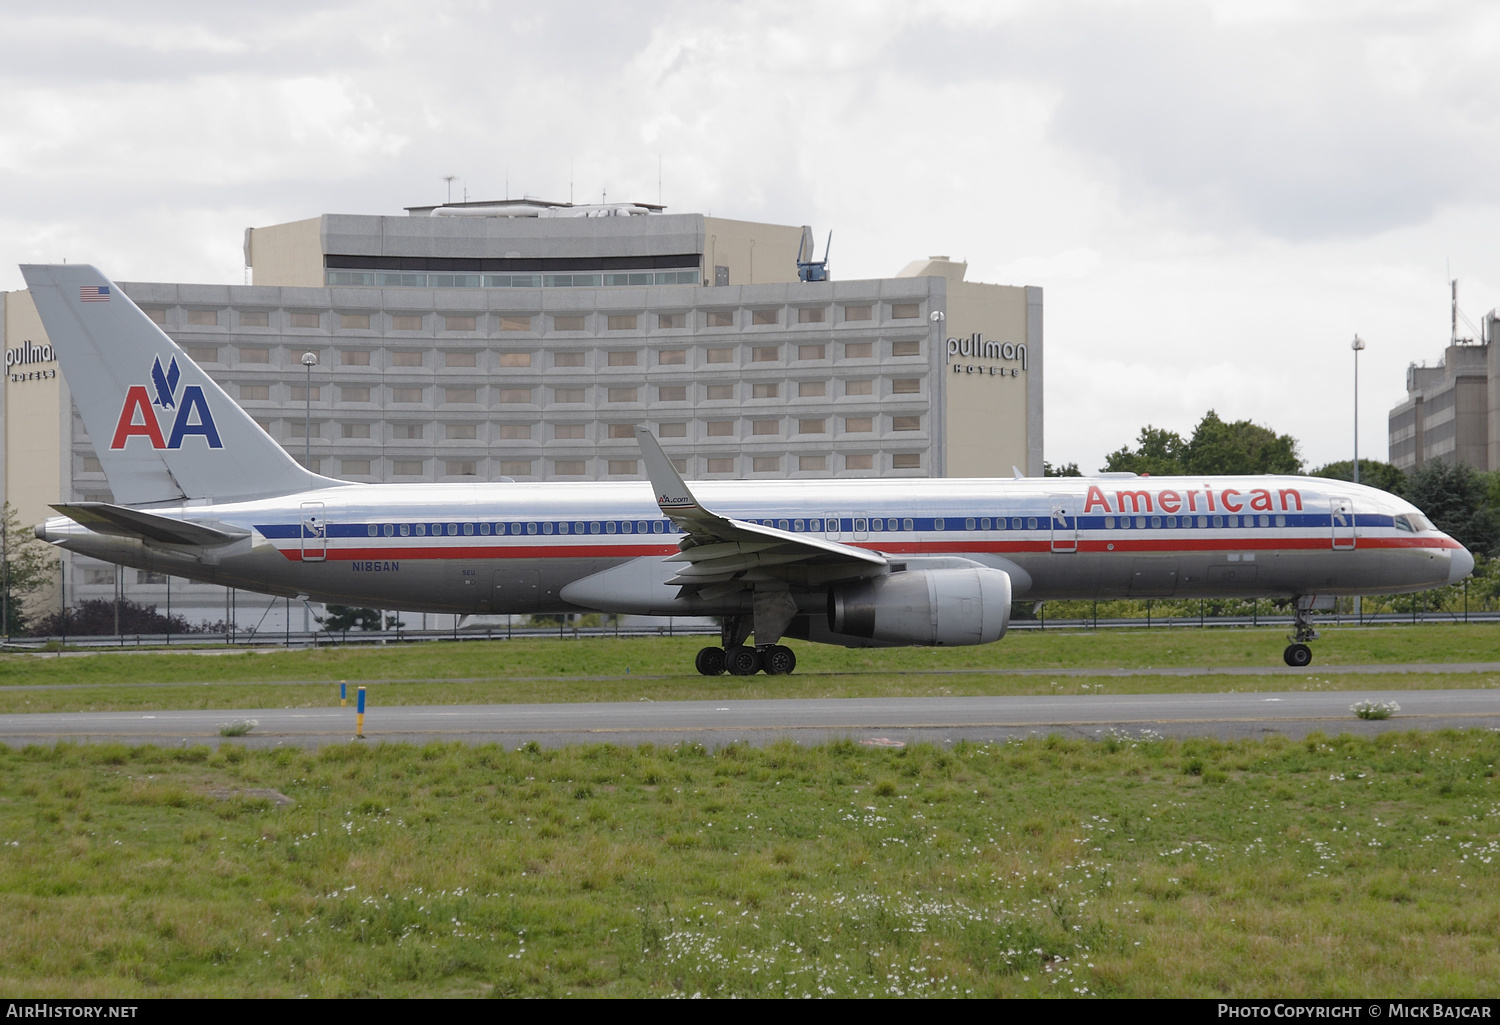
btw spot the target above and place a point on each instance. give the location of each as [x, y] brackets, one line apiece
[26, 355]
[976, 346]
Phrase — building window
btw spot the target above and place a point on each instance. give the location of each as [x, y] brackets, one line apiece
[672, 393]
[471, 395]
[905, 311]
[406, 394]
[718, 392]
[811, 389]
[306, 320]
[567, 394]
[406, 359]
[858, 424]
[765, 427]
[202, 353]
[621, 467]
[626, 431]
[906, 423]
[461, 468]
[514, 359]
[354, 321]
[354, 430]
[719, 356]
[721, 318]
[515, 467]
[812, 426]
[623, 394]
[810, 463]
[459, 323]
[512, 322]
[622, 359]
[812, 352]
[859, 350]
[858, 313]
[355, 357]
[146, 576]
[406, 467]
[678, 430]
[766, 464]
[721, 428]
[568, 467]
[406, 322]
[255, 318]
[91, 464]
[408, 432]
[157, 317]
[461, 359]
[810, 316]
[358, 467]
[860, 462]
[866, 387]
[765, 391]
[99, 576]
[765, 354]
[721, 465]
[669, 321]
[255, 392]
[906, 348]
[680, 465]
[348, 393]
[621, 321]
[462, 432]
[763, 318]
[906, 461]
[264, 425]
[255, 355]
[515, 432]
[299, 429]
[671, 357]
[203, 318]
[514, 396]
[568, 432]
[569, 323]
[906, 386]
[567, 359]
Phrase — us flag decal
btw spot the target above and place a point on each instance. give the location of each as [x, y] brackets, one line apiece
[93, 293]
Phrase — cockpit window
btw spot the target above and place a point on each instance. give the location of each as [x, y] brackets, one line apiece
[1404, 523]
[1413, 523]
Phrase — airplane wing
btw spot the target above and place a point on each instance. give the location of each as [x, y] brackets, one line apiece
[121, 521]
[724, 554]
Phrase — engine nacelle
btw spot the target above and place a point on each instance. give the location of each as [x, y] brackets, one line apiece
[939, 606]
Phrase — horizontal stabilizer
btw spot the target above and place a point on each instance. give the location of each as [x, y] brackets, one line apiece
[120, 521]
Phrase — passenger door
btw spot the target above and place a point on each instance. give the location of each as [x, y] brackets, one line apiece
[314, 532]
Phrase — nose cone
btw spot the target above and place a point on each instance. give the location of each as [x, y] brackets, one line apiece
[1460, 565]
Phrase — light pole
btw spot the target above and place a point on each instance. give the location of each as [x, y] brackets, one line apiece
[1357, 345]
[309, 360]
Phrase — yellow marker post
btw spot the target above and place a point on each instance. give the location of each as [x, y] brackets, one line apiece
[359, 715]
[343, 694]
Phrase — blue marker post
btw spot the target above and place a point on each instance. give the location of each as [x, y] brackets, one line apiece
[359, 716]
[343, 694]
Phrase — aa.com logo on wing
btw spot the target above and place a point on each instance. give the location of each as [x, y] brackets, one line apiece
[144, 416]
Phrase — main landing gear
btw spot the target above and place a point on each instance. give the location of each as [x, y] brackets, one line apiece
[1298, 654]
[743, 660]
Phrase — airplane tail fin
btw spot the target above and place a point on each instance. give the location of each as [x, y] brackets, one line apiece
[163, 430]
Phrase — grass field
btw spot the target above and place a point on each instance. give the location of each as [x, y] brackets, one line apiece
[604, 669]
[1129, 867]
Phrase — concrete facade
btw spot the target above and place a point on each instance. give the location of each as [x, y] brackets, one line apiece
[533, 345]
[1451, 412]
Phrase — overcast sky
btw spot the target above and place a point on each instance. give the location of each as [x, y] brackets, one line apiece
[1215, 197]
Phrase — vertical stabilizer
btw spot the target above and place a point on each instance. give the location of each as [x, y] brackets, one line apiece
[163, 430]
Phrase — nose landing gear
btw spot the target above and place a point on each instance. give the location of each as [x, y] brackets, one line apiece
[1298, 654]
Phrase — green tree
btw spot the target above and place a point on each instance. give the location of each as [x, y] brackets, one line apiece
[341, 618]
[1066, 470]
[1215, 447]
[1372, 472]
[1456, 500]
[96, 617]
[28, 567]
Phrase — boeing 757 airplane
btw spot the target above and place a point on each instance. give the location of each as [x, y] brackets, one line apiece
[200, 491]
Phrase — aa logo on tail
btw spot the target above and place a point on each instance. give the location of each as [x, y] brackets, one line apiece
[189, 412]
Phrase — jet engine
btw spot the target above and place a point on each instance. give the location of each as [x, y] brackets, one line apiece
[938, 606]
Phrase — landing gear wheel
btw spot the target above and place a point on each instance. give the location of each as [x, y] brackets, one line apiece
[1297, 655]
[742, 661]
[779, 660]
[710, 661]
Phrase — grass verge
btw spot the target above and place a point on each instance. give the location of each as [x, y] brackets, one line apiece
[1134, 866]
